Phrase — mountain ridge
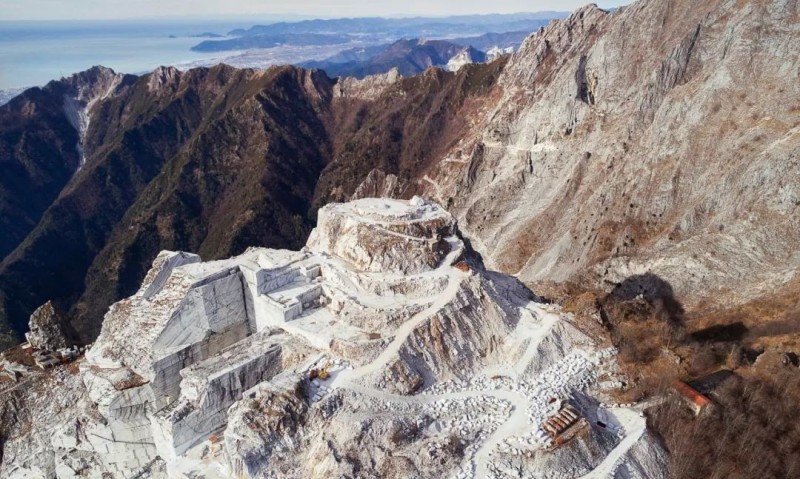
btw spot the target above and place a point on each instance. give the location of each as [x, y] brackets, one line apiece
[368, 31]
[413, 56]
[638, 167]
[144, 135]
[409, 57]
[473, 153]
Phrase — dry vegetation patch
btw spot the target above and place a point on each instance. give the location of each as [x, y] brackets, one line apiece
[751, 429]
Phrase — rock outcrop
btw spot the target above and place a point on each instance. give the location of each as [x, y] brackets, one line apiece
[382, 349]
[367, 88]
[46, 329]
[384, 236]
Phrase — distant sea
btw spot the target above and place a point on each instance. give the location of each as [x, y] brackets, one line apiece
[33, 53]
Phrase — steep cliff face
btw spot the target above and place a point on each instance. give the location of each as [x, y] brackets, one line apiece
[660, 138]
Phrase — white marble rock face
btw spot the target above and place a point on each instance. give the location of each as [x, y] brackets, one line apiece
[424, 365]
[384, 235]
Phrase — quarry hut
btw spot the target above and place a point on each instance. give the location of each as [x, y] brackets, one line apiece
[696, 401]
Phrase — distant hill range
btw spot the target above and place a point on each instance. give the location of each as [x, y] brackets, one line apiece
[370, 31]
[410, 57]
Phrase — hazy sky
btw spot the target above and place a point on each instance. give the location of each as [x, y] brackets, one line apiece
[124, 9]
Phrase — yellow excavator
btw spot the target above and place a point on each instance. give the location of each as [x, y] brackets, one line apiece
[322, 374]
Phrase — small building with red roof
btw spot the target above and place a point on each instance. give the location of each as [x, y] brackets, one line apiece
[692, 397]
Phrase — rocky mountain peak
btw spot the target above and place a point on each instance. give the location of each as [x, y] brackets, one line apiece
[368, 88]
[465, 57]
[95, 83]
[163, 77]
[610, 110]
[541, 53]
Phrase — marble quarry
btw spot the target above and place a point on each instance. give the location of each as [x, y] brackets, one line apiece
[383, 338]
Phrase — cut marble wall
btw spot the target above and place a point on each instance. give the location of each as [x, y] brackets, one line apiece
[164, 264]
[210, 387]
